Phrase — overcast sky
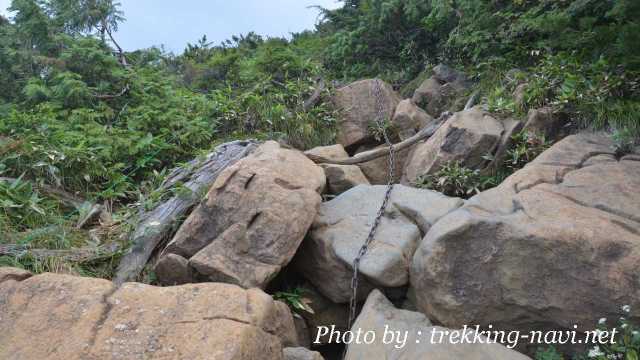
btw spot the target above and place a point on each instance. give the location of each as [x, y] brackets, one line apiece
[176, 22]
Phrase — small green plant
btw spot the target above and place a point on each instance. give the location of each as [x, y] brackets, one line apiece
[454, 179]
[627, 344]
[295, 299]
[623, 142]
[525, 148]
[625, 347]
[549, 353]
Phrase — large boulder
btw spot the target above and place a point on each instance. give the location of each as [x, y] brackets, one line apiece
[62, 317]
[342, 225]
[251, 222]
[557, 244]
[409, 119]
[358, 109]
[379, 315]
[468, 136]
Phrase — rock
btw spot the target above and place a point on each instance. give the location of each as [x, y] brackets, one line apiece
[547, 122]
[301, 353]
[442, 92]
[468, 136]
[429, 92]
[343, 224]
[341, 178]
[357, 105]
[252, 220]
[302, 330]
[173, 269]
[13, 274]
[557, 244]
[377, 171]
[85, 318]
[325, 313]
[333, 152]
[379, 313]
[446, 74]
[409, 119]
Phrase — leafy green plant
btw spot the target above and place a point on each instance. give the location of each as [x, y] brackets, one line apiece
[453, 179]
[524, 149]
[623, 141]
[549, 353]
[627, 344]
[295, 299]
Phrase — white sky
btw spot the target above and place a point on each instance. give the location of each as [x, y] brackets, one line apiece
[174, 23]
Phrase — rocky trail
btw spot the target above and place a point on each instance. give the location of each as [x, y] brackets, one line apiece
[555, 246]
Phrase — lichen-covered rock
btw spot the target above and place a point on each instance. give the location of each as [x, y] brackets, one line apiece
[251, 222]
[557, 244]
[343, 224]
[378, 313]
[357, 105]
[63, 317]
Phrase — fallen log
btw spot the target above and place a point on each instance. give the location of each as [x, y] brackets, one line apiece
[158, 225]
[367, 156]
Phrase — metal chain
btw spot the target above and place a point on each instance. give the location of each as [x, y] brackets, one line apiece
[380, 121]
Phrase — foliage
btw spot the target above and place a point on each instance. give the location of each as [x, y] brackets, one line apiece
[549, 353]
[295, 299]
[454, 179]
[525, 147]
[626, 345]
[74, 116]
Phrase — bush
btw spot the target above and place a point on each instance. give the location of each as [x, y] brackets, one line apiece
[453, 179]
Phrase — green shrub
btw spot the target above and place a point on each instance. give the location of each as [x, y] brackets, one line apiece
[453, 179]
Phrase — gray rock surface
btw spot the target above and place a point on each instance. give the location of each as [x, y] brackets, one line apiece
[379, 313]
[557, 244]
[342, 226]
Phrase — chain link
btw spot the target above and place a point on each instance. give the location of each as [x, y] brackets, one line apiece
[380, 122]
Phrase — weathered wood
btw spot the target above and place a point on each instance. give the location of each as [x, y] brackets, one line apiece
[157, 226]
[367, 156]
[473, 99]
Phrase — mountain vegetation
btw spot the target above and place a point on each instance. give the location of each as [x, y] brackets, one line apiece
[84, 122]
